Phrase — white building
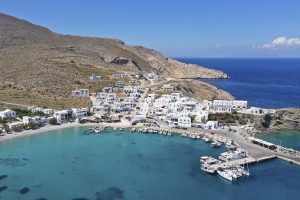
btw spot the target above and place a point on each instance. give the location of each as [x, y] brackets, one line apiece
[257, 111]
[119, 75]
[81, 93]
[95, 77]
[120, 84]
[211, 125]
[184, 122]
[48, 111]
[132, 89]
[234, 104]
[176, 96]
[101, 96]
[79, 113]
[111, 98]
[144, 109]
[167, 87]
[201, 116]
[36, 119]
[8, 113]
[61, 116]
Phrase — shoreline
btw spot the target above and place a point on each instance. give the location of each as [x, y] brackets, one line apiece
[44, 129]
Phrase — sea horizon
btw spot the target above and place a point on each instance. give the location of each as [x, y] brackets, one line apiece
[264, 82]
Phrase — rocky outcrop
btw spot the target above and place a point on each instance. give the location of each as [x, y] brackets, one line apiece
[283, 119]
[173, 68]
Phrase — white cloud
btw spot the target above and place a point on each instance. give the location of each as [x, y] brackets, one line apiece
[280, 42]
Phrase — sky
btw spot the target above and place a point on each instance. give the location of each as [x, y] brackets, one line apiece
[177, 28]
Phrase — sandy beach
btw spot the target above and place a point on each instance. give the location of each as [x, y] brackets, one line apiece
[49, 128]
[44, 129]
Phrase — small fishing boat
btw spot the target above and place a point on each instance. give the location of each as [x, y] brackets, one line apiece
[206, 139]
[207, 169]
[216, 144]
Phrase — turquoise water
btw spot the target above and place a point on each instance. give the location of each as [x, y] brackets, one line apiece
[68, 164]
[290, 139]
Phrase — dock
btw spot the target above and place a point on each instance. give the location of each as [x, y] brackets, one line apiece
[242, 161]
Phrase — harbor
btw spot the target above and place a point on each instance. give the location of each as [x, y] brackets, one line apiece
[232, 164]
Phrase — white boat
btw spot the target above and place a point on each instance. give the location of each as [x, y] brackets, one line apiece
[225, 174]
[97, 130]
[207, 169]
[204, 159]
[216, 144]
[206, 139]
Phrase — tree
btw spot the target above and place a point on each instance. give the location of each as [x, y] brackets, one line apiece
[33, 125]
[52, 121]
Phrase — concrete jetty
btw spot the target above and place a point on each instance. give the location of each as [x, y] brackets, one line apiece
[242, 161]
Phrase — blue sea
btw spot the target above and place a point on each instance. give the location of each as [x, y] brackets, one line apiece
[290, 139]
[69, 164]
[269, 83]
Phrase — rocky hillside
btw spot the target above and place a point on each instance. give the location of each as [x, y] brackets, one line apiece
[39, 62]
[283, 119]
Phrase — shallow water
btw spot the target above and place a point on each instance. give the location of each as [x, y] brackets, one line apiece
[67, 164]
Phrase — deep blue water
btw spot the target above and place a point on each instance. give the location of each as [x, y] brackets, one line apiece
[67, 164]
[270, 83]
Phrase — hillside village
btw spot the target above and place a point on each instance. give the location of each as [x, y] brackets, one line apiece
[146, 99]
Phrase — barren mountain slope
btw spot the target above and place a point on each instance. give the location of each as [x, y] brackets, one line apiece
[47, 65]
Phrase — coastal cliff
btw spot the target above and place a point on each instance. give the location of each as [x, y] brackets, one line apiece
[38, 65]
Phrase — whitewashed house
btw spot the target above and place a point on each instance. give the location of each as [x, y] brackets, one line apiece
[79, 113]
[135, 95]
[233, 104]
[211, 125]
[189, 106]
[132, 89]
[101, 96]
[95, 77]
[144, 109]
[184, 122]
[167, 87]
[201, 116]
[257, 111]
[119, 75]
[120, 84]
[37, 119]
[176, 96]
[61, 116]
[37, 109]
[101, 110]
[81, 93]
[8, 113]
[48, 111]
[111, 98]
[221, 109]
